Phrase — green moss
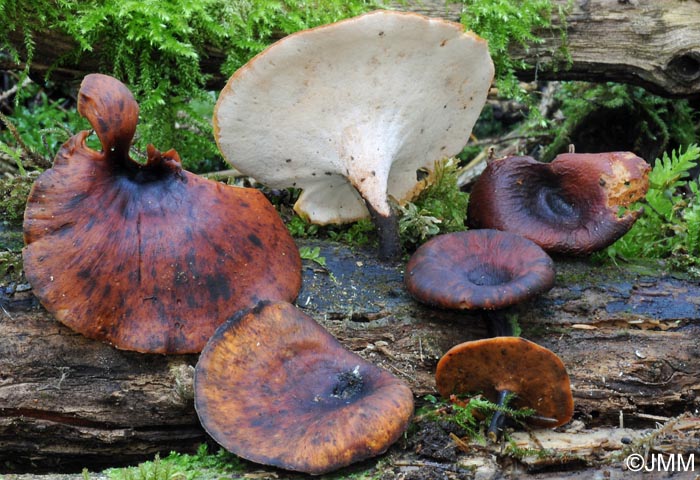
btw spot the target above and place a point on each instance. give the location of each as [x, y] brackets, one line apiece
[440, 208]
[156, 47]
[649, 119]
[507, 23]
[472, 414]
[202, 465]
[13, 197]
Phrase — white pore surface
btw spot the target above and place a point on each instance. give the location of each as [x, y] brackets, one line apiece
[361, 103]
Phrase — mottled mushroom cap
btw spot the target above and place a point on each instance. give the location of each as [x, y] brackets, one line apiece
[478, 269]
[571, 205]
[148, 257]
[274, 387]
[350, 111]
[533, 373]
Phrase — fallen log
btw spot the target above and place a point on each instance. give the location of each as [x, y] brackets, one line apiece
[654, 44]
[629, 339]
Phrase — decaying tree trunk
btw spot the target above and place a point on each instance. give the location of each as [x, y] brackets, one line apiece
[652, 43]
[630, 341]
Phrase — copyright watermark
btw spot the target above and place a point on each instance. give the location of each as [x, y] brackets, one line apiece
[659, 462]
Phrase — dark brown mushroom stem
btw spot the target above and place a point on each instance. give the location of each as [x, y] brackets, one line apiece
[499, 325]
[387, 227]
[498, 420]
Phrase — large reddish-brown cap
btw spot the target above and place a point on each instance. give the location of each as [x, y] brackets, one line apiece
[478, 269]
[571, 205]
[274, 387]
[533, 373]
[149, 257]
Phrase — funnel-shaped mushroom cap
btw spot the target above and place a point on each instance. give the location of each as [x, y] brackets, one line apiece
[533, 373]
[274, 387]
[351, 110]
[148, 257]
[478, 269]
[571, 205]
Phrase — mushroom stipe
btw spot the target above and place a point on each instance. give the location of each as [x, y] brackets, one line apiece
[274, 387]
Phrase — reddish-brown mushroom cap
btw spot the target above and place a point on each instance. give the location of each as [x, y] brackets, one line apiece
[478, 269]
[533, 373]
[274, 387]
[571, 205]
[148, 257]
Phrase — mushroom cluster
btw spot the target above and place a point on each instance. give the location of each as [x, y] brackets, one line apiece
[574, 205]
[349, 112]
[490, 271]
[152, 258]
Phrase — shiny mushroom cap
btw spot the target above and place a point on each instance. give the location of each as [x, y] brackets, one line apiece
[148, 257]
[478, 269]
[350, 111]
[533, 373]
[274, 387]
[571, 205]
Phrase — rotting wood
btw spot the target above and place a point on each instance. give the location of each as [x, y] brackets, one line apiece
[629, 339]
[651, 43]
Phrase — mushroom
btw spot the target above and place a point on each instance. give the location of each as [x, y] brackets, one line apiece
[148, 257]
[503, 366]
[571, 205]
[486, 270]
[351, 111]
[274, 387]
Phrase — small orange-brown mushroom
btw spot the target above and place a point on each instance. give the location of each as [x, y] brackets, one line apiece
[148, 257]
[492, 366]
[571, 205]
[274, 387]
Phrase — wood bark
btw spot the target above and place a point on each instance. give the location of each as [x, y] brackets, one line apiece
[654, 44]
[629, 340]
[651, 43]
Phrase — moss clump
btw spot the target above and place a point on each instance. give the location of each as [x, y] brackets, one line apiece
[14, 191]
[508, 23]
[158, 48]
[203, 465]
[440, 208]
